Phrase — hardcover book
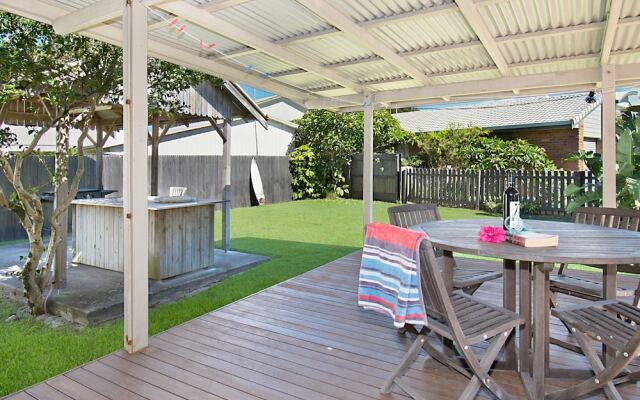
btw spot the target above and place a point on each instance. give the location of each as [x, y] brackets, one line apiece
[532, 239]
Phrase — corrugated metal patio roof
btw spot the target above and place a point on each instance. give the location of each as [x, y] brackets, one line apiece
[560, 110]
[403, 51]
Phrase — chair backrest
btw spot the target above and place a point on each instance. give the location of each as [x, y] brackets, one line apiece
[408, 215]
[434, 291]
[177, 191]
[618, 218]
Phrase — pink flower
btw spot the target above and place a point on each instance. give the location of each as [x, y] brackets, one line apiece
[491, 234]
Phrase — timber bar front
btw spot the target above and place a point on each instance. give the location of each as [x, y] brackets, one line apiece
[181, 235]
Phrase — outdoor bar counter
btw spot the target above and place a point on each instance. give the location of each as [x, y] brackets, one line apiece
[181, 235]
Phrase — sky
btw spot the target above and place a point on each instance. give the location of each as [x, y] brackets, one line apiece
[254, 93]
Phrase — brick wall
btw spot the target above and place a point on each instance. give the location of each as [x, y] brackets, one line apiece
[557, 142]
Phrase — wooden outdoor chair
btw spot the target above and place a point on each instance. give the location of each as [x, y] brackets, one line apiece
[590, 289]
[611, 323]
[469, 274]
[465, 321]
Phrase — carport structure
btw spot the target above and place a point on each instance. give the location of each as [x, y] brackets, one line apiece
[348, 55]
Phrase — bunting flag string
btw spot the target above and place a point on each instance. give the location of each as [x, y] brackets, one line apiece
[181, 28]
[176, 25]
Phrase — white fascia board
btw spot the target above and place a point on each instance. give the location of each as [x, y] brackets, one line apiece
[548, 81]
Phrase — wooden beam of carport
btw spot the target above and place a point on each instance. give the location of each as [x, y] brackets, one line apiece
[136, 218]
[363, 37]
[549, 81]
[615, 9]
[474, 19]
[92, 15]
[223, 27]
[47, 13]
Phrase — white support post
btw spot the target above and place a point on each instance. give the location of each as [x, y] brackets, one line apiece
[226, 194]
[609, 136]
[136, 220]
[367, 163]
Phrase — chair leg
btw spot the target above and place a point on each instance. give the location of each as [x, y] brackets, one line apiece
[553, 299]
[404, 365]
[591, 384]
[609, 388]
[444, 360]
[481, 369]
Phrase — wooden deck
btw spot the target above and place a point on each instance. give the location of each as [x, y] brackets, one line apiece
[302, 339]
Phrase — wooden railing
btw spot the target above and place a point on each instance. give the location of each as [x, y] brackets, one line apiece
[472, 189]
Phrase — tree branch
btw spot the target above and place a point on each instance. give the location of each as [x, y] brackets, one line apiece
[166, 128]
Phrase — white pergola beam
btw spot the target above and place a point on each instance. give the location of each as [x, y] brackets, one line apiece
[44, 12]
[105, 10]
[221, 26]
[370, 24]
[86, 17]
[474, 19]
[136, 218]
[92, 15]
[308, 36]
[615, 9]
[584, 78]
[367, 163]
[408, 15]
[363, 37]
[220, 5]
[592, 26]
[608, 90]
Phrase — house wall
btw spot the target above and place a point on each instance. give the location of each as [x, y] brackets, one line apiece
[593, 124]
[248, 138]
[557, 142]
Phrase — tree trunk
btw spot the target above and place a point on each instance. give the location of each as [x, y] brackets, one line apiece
[60, 225]
[155, 156]
[31, 291]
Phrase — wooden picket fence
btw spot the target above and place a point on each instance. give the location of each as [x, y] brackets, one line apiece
[471, 189]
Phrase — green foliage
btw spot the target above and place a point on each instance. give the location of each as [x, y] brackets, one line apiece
[330, 139]
[313, 177]
[628, 168]
[167, 80]
[412, 161]
[492, 206]
[472, 148]
[339, 135]
[64, 71]
[529, 208]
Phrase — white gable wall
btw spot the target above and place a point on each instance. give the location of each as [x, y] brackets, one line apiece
[248, 138]
[593, 124]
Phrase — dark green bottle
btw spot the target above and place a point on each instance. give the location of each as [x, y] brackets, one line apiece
[510, 203]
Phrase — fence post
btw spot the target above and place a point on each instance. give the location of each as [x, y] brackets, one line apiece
[479, 190]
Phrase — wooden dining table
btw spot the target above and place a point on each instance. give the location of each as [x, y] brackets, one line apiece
[578, 244]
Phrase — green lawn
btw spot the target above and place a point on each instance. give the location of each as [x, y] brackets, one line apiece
[298, 236]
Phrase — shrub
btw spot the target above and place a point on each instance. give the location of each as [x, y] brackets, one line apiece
[313, 178]
[529, 208]
[493, 206]
[326, 141]
[627, 174]
[472, 148]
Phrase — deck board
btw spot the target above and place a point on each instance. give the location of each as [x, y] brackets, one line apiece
[302, 339]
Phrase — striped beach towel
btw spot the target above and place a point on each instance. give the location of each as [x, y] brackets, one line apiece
[390, 274]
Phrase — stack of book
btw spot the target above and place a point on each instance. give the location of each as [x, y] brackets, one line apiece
[532, 239]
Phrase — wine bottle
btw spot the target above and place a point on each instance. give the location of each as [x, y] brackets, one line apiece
[510, 204]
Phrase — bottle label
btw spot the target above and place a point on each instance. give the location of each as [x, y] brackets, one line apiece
[514, 212]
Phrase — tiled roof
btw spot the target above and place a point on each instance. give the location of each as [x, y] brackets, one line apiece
[554, 110]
